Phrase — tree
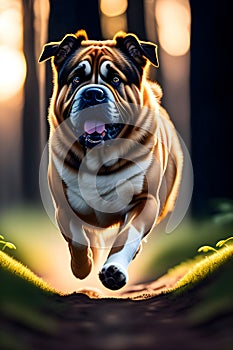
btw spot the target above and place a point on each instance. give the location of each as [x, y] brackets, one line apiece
[31, 114]
[211, 102]
[135, 18]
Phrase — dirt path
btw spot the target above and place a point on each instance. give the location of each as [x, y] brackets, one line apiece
[77, 322]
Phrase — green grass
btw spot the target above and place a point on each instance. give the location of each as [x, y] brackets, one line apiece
[168, 250]
[209, 278]
[30, 229]
[201, 268]
[13, 266]
[160, 254]
[21, 288]
[25, 301]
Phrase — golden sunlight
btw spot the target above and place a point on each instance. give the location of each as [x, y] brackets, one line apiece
[113, 17]
[174, 20]
[111, 25]
[10, 22]
[113, 8]
[12, 72]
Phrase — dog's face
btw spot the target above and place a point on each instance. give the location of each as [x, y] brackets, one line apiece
[97, 82]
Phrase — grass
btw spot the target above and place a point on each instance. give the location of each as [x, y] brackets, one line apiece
[13, 266]
[201, 268]
[30, 229]
[182, 244]
[160, 254]
[25, 302]
[208, 282]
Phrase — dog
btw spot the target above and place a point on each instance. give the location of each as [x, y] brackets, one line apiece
[115, 160]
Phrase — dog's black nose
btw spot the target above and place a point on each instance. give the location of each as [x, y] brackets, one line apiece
[94, 95]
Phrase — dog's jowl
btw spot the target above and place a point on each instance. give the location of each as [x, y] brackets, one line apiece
[115, 160]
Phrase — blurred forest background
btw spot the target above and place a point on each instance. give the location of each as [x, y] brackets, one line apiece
[194, 39]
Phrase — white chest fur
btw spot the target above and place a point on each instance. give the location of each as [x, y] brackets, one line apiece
[110, 193]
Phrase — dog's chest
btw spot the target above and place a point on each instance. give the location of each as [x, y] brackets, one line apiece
[88, 192]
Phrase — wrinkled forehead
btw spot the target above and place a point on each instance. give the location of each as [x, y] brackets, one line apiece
[96, 56]
[98, 51]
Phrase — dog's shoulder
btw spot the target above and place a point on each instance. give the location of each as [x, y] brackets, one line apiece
[156, 89]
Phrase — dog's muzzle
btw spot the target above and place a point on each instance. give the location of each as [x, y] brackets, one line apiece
[94, 115]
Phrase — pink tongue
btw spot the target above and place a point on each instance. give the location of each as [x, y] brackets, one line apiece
[91, 126]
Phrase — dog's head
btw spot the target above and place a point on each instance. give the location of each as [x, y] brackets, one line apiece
[97, 81]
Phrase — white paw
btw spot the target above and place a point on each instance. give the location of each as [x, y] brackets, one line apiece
[113, 276]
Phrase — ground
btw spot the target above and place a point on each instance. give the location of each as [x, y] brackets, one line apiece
[152, 315]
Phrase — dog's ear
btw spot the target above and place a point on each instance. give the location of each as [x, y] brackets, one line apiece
[140, 51]
[63, 49]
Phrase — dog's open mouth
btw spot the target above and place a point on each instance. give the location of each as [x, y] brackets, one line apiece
[96, 132]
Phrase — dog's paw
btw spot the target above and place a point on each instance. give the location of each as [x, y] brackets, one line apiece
[81, 271]
[81, 261]
[113, 276]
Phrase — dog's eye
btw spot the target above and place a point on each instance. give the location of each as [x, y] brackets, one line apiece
[76, 80]
[116, 81]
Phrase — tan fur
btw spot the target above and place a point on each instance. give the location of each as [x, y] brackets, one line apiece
[153, 130]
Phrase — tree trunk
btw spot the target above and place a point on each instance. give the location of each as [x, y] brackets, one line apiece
[135, 18]
[31, 114]
[211, 102]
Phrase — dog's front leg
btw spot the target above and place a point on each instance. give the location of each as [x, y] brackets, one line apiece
[79, 245]
[139, 223]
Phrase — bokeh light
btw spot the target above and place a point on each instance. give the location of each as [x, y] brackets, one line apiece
[12, 72]
[111, 25]
[174, 20]
[113, 8]
[10, 22]
[12, 60]
[113, 17]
